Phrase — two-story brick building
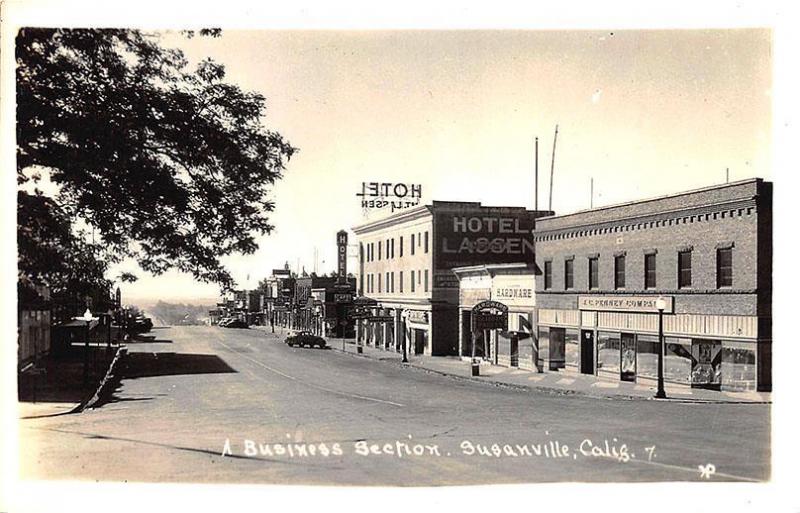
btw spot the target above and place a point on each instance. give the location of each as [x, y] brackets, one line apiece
[406, 262]
[707, 252]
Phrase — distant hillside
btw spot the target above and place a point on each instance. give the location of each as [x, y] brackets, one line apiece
[177, 314]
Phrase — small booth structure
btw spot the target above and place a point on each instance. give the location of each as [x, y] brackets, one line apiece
[512, 286]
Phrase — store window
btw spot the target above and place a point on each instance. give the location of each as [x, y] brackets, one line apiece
[647, 356]
[594, 271]
[706, 363]
[557, 348]
[627, 371]
[678, 360]
[738, 366]
[569, 273]
[608, 352]
[619, 272]
[544, 341]
[684, 269]
[724, 267]
[650, 271]
[548, 275]
[572, 348]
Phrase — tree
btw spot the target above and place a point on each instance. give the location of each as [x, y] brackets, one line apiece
[170, 165]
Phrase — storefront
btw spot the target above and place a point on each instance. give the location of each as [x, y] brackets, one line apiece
[511, 285]
[618, 337]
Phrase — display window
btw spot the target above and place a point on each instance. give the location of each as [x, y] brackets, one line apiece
[544, 341]
[627, 370]
[647, 356]
[572, 348]
[738, 366]
[557, 348]
[677, 360]
[706, 363]
[608, 352]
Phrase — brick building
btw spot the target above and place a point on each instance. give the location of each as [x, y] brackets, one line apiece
[406, 264]
[707, 252]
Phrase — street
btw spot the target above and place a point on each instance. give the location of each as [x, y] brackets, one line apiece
[209, 404]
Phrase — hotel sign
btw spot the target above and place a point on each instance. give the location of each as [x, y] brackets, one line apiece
[486, 238]
[646, 304]
[341, 246]
[389, 194]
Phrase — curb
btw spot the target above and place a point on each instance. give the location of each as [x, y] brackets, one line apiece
[553, 390]
[92, 400]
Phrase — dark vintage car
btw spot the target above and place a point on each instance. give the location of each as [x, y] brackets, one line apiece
[305, 338]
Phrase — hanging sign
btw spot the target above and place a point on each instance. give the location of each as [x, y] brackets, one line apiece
[489, 315]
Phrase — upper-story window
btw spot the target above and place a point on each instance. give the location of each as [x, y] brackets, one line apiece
[380, 249]
[401, 246]
[548, 275]
[684, 269]
[426, 242]
[569, 273]
[413, 283]
[594, 272]
[650, 271]
[401, 275]
[724, 267]
[426, 280]
[619, 272]
[379, 281]
[412, 243]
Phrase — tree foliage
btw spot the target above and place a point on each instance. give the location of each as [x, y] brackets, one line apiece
[170, 165]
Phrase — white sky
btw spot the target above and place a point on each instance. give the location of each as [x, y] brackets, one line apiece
[644, 113]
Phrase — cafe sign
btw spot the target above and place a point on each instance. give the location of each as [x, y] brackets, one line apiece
[642, 304]
[489, 315]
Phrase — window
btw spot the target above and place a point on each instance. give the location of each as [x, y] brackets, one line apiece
[412, 243]
[684, 269]
[593, 272]
[380, 251]
[419, 239]
[650, 271]
[387, 283]
[426, 280]
[569, 273]
[401, 275]
[724, 267]
[548, 275]
[413, 283]
[401, 245]
[619, 272]
[426, 242]
[361, 252]
[419, 277]
[390, 243]
[379, 282]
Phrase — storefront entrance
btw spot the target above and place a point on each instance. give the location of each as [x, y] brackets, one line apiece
[587, 352]
[420, 340]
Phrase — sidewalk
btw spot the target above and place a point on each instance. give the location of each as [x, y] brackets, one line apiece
[564, 382]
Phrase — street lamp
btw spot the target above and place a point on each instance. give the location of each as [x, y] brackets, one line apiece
[661, 304]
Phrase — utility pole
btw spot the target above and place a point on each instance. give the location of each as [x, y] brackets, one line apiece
[727, 175]
[552, 164]
[536, 178]
[591, 192]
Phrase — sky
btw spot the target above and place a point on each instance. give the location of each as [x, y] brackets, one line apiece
[641, 113]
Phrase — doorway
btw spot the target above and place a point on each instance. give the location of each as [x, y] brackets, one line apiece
[587, 352]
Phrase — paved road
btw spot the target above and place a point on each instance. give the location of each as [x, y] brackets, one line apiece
[310, 416]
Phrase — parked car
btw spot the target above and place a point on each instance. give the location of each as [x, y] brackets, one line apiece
[305, 338]
[224, 322]
[237, 323]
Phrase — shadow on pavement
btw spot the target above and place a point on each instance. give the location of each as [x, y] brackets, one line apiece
[60, 379]
[144, 365]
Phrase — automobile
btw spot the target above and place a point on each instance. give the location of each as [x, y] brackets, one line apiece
[224, 322]
[305, 338]
[237, 323]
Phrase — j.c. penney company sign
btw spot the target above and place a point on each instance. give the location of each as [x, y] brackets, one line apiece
[623, 304]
